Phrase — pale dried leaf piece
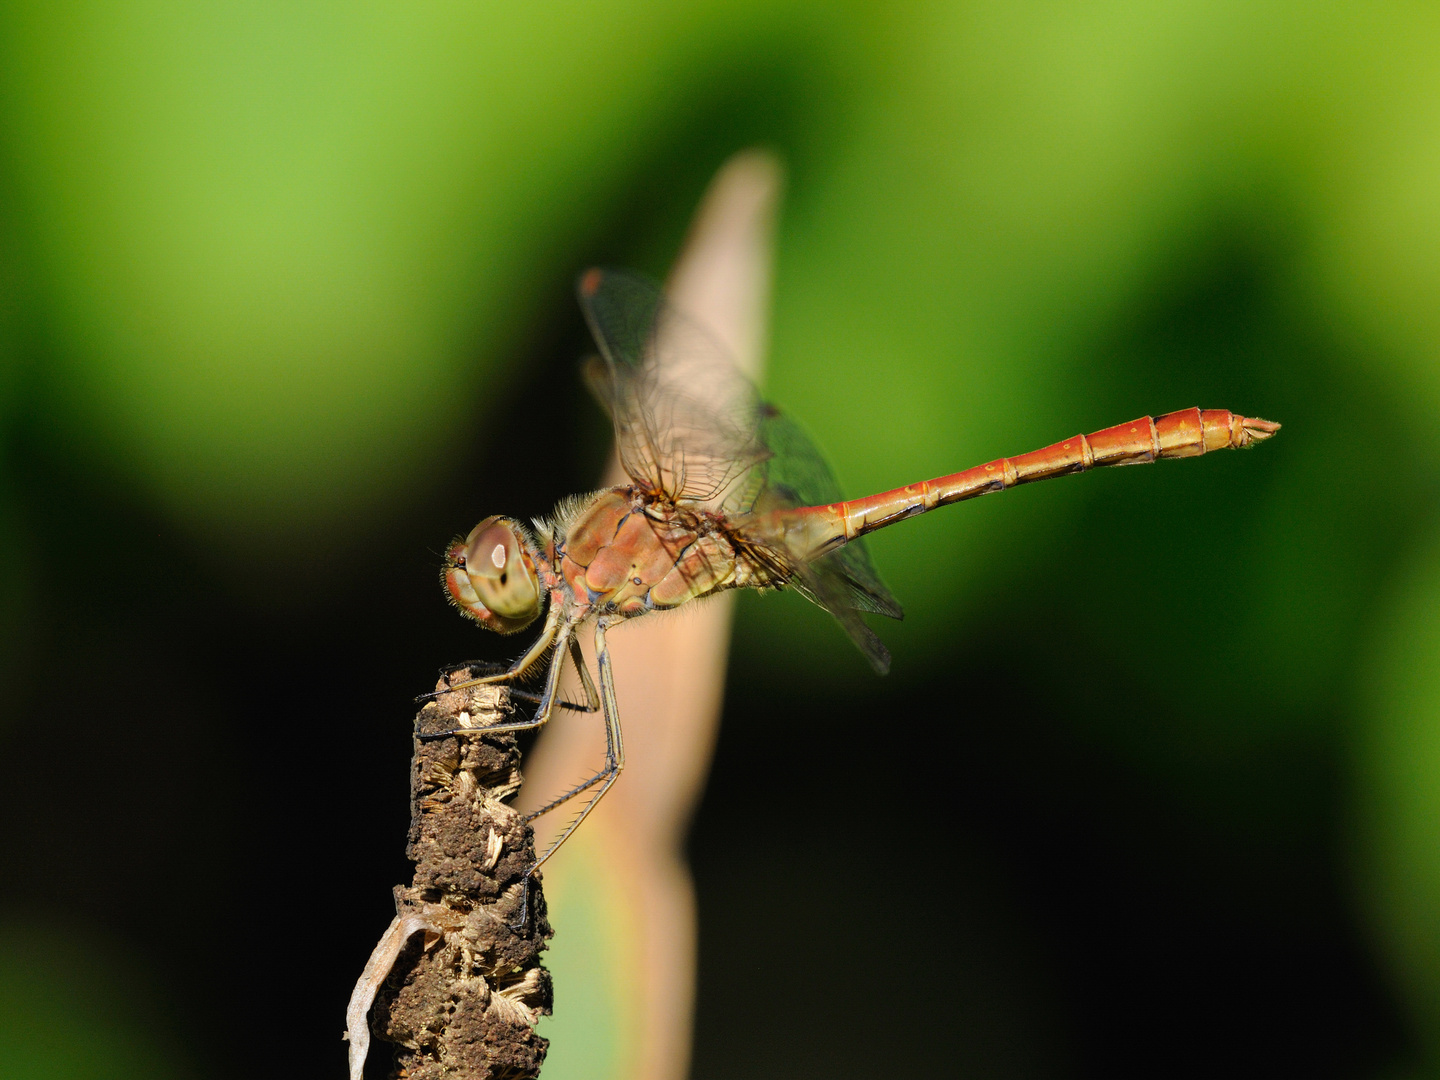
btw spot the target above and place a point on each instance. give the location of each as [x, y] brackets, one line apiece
[493, 846]
[377, 968]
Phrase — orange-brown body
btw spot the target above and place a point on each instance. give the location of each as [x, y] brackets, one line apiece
[622, 554]
[631, 550]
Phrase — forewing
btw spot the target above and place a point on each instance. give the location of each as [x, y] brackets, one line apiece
[685, 416]
[689, 426]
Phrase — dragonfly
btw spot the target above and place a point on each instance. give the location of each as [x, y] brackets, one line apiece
[725, 492]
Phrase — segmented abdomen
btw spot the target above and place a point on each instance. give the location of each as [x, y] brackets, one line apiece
[1187, 433]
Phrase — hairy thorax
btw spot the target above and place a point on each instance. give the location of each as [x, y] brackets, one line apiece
[622, 554]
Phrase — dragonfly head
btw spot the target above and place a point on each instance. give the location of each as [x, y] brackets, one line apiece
[490, 575]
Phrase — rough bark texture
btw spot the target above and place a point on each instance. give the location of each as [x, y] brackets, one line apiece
[463, 996]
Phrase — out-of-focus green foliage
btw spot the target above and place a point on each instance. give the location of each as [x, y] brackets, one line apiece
[1398, 858]
[72, 1012]
[267, 262]
[268, 239]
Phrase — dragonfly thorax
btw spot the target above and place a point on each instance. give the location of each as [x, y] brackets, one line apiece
[624, 554]
[490, 575]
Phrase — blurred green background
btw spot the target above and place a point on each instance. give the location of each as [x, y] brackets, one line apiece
[285, 303]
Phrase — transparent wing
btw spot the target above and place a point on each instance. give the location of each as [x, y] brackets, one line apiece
[844, 581]
[685, 417]
[690, 427]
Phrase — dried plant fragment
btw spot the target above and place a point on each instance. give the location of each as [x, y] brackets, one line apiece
[452, 984]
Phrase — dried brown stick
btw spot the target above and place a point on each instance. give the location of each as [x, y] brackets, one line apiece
[452, 984]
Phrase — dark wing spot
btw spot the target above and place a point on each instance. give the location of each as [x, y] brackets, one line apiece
[503, 577]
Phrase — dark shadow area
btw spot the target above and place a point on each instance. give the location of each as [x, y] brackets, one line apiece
[987, 894]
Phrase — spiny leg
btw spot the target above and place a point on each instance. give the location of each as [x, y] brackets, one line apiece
[534, 699]
[585, 785]
[614, 742]
[591, 697]
[614, 763]
[532, 656]
[487, 667]
[542, 712]
[614, 748]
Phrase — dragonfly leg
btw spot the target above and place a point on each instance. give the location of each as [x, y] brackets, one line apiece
[614, 747]
[591, 697]
[583, 786]
[485, 667]
[544, 708]
[592, 703]
[535, 699]
[532, 657]
[614, 763]
[594, 706]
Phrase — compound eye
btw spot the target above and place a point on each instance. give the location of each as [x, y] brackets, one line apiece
[500, 571]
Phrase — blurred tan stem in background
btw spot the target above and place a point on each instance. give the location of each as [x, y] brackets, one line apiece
[669, 674]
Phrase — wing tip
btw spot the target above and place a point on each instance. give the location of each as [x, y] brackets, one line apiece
[589, 283]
